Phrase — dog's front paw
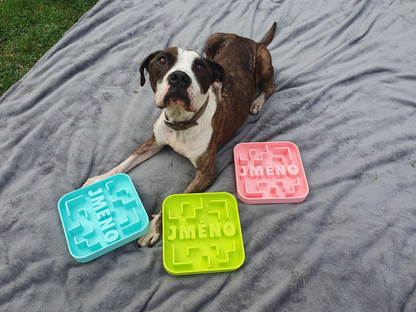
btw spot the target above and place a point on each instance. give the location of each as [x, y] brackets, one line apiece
[155, 230]
[92, 180]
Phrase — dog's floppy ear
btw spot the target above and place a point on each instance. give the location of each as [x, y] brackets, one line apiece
[145, 64]
[217, 72]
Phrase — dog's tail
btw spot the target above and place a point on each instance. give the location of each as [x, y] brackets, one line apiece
[270, 35]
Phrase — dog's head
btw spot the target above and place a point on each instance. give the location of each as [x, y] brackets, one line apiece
[180, 77]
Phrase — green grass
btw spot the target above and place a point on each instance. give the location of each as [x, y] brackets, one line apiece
[28, 29]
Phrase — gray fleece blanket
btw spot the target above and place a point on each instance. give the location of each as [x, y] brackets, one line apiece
[345, 78]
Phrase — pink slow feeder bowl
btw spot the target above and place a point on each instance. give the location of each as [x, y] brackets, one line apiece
[269, 172]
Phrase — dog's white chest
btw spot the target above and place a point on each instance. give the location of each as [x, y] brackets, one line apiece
[191, 143]
[190, 146]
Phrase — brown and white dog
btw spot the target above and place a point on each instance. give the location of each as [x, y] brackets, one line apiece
[203, 101]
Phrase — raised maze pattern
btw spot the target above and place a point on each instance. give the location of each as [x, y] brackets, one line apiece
[101, 217]
[269, 172]
[201, 234]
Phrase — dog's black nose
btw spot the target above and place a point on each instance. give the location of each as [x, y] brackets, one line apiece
[179, 79]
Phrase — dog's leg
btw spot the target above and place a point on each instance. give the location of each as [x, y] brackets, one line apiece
[265, 74]
[154, 232]
[201, 182]
[144, 152]
[204, 177]
[205, 172]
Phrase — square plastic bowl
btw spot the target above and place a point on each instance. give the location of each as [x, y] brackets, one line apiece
[201, 234]
[269, 172]
[101, 217]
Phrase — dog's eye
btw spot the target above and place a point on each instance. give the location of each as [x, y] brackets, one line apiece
[199, 67]
[162, 60]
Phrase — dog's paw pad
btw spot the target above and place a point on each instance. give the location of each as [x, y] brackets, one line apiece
[254, 109]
